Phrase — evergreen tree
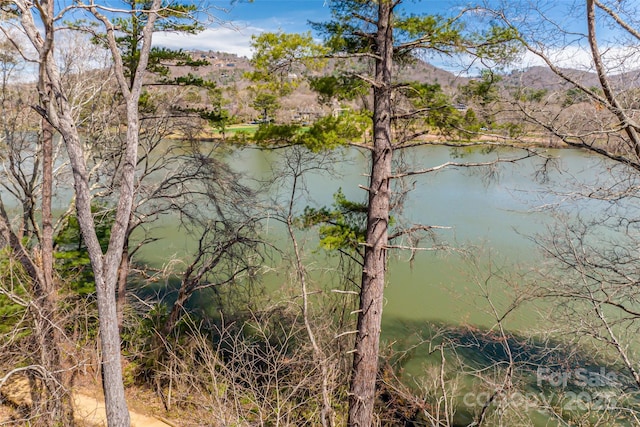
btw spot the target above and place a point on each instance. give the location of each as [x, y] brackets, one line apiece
[387, 37]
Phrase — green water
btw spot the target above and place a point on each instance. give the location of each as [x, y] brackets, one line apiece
[485, 248]
[489, 216]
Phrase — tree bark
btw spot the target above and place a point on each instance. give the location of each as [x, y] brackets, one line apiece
[60, 391]
[123, 273]
[57, 403]
[177, 309]
[105, 269]
[46, 244]
[616, 107]
[57, 111]
[365, 361]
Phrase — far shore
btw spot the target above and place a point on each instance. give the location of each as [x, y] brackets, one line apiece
[239, 134]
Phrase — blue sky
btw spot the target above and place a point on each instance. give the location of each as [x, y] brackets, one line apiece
[288, 15]
[237, 21]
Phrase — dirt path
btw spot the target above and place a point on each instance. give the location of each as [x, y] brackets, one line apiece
[92, 411]
[88, 410]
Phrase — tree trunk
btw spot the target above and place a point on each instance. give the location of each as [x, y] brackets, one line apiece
[123, 273]
[47, 191]
[115, 402]
[105, 269]
[57, 111]
[365, 361]
[601, 71]
[60, 404]
[59, 400]
[57, 403]
[177, 310]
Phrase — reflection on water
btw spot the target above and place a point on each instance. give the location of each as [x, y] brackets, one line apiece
[488, 214]
[489, 217]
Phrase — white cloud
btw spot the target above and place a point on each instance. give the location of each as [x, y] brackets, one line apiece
[236, 38]
[617, 59]
[230, 39]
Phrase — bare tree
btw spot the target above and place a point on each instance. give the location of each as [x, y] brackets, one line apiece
[28, 177]
[228, 245]
[591, 276]
[298, 163]
[600, 112]
[55, 108]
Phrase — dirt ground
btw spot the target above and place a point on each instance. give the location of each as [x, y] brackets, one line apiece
[89, 410]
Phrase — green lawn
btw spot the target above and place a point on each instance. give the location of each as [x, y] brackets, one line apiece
[245, 127]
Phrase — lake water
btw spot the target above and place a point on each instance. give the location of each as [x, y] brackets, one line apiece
[490, 215]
